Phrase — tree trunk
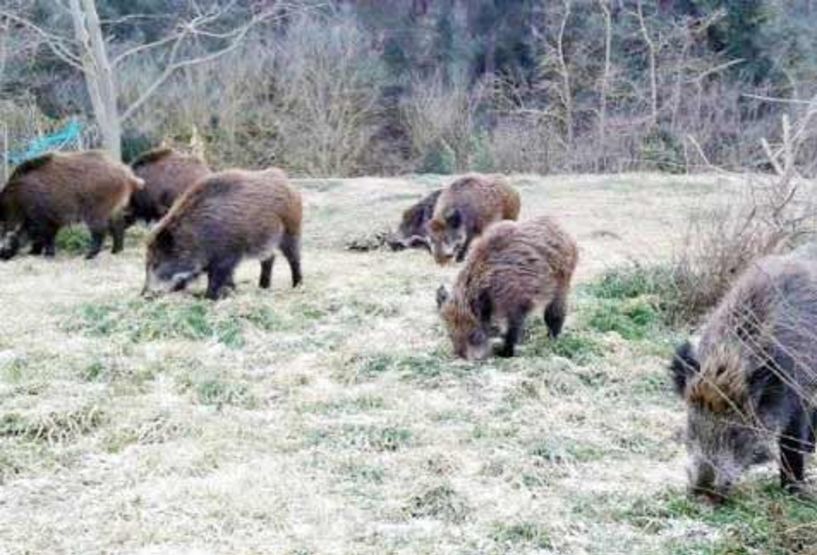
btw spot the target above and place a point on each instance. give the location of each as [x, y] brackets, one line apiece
[605, 80]
[567, 91]
[99, 78]
[652, 59]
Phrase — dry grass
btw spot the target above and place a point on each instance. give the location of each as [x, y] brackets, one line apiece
[332, 419]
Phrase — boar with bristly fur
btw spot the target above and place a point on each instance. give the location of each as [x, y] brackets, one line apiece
[58, 189]
[512, 270]
[222, 219]
[167, 174]
[413, 231]
[751, 380]
[464, 209]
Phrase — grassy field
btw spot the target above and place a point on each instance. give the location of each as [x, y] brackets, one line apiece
[333, 419]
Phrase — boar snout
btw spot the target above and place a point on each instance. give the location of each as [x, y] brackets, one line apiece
[709, 481]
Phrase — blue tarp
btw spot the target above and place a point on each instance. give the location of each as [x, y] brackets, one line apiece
[54, 141]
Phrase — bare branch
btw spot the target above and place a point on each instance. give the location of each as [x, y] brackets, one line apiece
[778, 100]
[147, 46]
[173, 65]
[717, 69]
[56, 43]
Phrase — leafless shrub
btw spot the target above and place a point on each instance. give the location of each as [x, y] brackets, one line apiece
[326, 78]
[767, 214]
[442, 116]
[523, 143]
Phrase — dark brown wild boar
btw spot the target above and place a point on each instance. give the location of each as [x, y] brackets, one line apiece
[751, 380]
[513, 269]
[413, 230]
[222, 219]
[167, 173]
[464, 209]
[58, 189]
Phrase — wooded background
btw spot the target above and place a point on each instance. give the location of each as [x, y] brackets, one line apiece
[391, 86]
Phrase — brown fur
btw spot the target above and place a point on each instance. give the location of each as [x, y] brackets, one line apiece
[722, 388]
[60, 189]
[413, 229]
[751, 380]
[471, 203]
[222, 219]
[512, 269]
[745, 328]
[167, 173]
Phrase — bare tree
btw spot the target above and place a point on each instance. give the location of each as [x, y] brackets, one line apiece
[99, 79]
[88, 51]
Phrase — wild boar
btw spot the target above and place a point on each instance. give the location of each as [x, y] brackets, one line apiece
[513, 269]
[167, 173]
[464, 209]
[413, 230]
[222, 219]
[58, 189]
[751, 380]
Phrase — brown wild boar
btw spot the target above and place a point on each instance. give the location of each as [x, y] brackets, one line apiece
[222, 219]
[58, 189]
[413, 231]
[167, 173]
[464, 209]
[513, 269]
[751, 380]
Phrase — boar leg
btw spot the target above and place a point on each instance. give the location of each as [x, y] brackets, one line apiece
[266, 273]
[97, 238]
[219, 275]
[516, 322]
[117, 227]
[49, 244]
[37, 246]
[291, 248]
[42, 239]
[464, 250]
[555, 315]
[794, 444]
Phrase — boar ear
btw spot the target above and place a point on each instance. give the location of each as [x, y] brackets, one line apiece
[684, 365]
[454, 218]
[442, 296]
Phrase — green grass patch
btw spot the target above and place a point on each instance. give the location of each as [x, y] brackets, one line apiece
[632, 319]
[14, 369]
[143, 321]
[73, 240]
[219, 391]
[386, 439]
[633, 281]
[363, 473]
[760, 518]
[363, 403]
[420, 367]
[658, 285]
[439, 502]
[521, 534]
[576, 346]
[557, 450]
[52, 427]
